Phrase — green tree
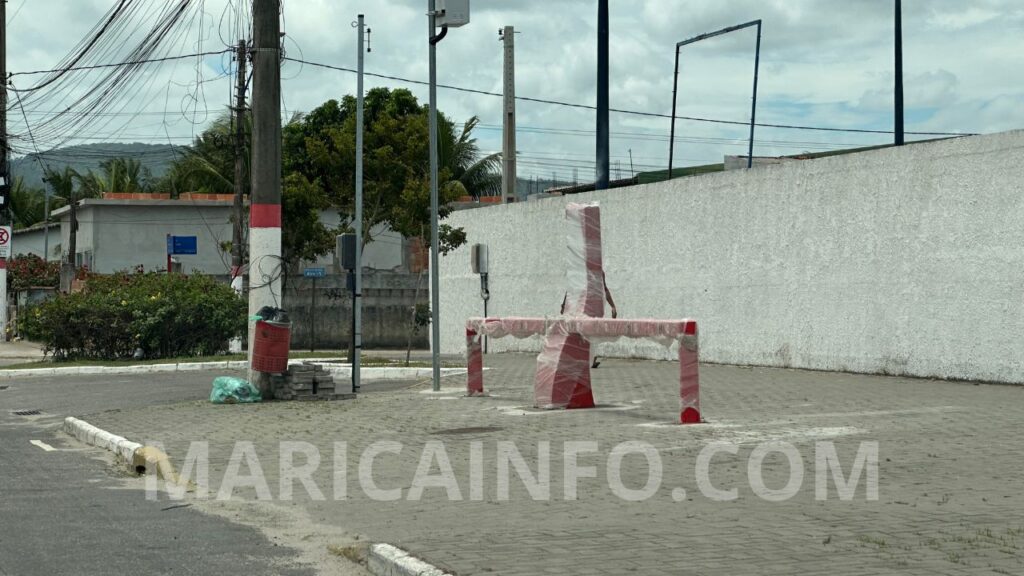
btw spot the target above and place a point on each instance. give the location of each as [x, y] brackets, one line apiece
[321, 147]
[115, 175]
[70, 187]
[208, 166]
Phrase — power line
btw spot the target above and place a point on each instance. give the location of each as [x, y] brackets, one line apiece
[622, 111]
[115, 65]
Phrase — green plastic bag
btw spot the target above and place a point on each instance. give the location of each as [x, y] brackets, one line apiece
[231, 390]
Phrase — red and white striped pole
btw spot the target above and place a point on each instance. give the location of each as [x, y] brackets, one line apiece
[265, 264]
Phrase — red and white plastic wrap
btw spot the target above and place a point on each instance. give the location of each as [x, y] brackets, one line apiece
[562, 379]
[572, 370]
[584, 271]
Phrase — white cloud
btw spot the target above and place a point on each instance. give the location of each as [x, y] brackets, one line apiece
[826, 62]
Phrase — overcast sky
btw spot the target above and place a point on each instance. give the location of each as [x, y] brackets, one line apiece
[823, 63]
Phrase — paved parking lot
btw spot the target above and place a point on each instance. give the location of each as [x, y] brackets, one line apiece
[949, 491]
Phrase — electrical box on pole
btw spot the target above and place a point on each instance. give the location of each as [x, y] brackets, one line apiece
[452, 13]
[346, 251]
[481, 267]
[480, 259]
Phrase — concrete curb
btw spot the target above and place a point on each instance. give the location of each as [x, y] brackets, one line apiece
[382, 559]
[387, 560]
[125, 449]
[332, 364]
[134, 457]
[388, 373]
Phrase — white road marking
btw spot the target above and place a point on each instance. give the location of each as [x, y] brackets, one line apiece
[43, 445]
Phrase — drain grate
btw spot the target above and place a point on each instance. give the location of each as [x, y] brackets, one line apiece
[26, 412]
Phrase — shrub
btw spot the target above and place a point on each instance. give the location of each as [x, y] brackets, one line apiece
[29, 271]
[164, 315]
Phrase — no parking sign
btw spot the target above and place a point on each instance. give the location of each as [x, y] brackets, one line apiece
[5, 241]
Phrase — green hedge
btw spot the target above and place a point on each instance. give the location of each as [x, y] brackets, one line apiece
[30, 271]
[165, 315]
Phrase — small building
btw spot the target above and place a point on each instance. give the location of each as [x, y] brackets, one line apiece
[126, 231]
[37, 239]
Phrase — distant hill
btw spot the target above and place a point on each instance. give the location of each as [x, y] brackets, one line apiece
[156, 157]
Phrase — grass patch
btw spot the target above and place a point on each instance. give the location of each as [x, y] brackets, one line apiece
[354, 554]
[879, 542]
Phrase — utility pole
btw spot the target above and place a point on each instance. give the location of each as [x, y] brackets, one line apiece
[265, 265]
[357, 301]
[5, 169]
[237, 261]
[603, 145]
[899, 73]
[508, 149]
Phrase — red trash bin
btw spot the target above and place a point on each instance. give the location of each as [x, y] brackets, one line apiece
[270, 347]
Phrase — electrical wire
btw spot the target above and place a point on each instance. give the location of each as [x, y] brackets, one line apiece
[621, 111]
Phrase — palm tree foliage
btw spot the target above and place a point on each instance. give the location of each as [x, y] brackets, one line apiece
[27, 205]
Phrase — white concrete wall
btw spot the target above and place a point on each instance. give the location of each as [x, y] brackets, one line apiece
[34, 242]
[901, 261]
[385, 252]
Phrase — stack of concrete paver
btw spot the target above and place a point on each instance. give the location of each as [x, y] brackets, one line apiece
[306, 381]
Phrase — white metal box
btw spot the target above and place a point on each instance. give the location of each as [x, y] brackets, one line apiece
[452, 13]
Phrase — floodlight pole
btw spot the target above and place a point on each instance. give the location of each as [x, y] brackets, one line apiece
[603, 145]
[899, 74]
[753, 105]
[357, 301]
[435, 322]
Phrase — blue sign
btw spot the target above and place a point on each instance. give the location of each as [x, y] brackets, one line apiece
[315, 272]
[182, 245]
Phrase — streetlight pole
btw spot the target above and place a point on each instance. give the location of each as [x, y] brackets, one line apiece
[435, 321]
[453, 13]
[357, 302]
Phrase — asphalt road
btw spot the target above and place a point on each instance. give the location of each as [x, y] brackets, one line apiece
[66, 511]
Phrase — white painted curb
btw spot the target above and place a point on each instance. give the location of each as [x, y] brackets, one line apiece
[331, 364]
[387, 373]
[387, 560]
[94, 436]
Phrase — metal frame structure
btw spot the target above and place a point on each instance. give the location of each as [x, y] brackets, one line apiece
[753, 105]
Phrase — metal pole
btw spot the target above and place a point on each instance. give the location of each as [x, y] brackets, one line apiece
[435, 320]
[753, 104]
[508, 174]
[357, 303]
[899, 74]
[603, 145]
[46, 220]
[312, 319]
[672, 132]
[484, 279]
[5, 168]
